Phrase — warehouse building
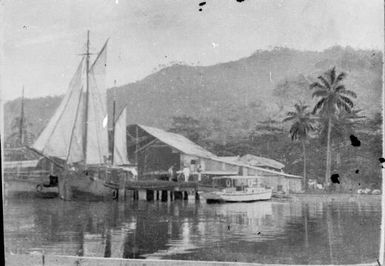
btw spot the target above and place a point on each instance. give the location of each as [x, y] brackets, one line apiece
[157, 151]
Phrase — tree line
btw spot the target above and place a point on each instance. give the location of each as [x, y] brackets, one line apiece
[324, 132]
[333, 111]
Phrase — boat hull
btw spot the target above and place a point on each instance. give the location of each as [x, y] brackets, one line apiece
[81, 187]
[215, 197]
[28, 187]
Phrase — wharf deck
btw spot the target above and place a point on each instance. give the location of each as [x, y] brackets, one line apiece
[161, 185]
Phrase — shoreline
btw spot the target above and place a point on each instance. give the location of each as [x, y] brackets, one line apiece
[338, 194]
[334, 196]
[63, 260]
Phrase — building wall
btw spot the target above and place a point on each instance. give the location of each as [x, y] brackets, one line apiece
[216, 166]
[154, 162]
[189, 161]
[277, 182]
[295, 184]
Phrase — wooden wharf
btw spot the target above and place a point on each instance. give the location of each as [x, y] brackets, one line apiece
[156, 189]
[161, 185]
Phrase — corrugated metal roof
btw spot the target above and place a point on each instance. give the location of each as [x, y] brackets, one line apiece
[230, 159]
[178, 142]
[254, 161]
[261, 161]
[242, 164]
[186, 146]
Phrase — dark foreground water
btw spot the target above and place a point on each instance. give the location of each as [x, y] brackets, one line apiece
[305, 231]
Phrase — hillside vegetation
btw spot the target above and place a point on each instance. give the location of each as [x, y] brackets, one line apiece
[237, 107]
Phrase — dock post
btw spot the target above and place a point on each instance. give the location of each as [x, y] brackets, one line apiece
[122, 192]
[185, 195]
[149, 195]
[136, 194]
[171, 195]
[164, 195]
[124, 188]
[178, 195]
[196, 195]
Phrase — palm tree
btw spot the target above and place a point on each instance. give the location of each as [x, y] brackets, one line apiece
[333, 98]
[303, 125]
[344, 126]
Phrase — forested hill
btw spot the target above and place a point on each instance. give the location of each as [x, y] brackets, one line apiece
[268, 81]
[262, 86]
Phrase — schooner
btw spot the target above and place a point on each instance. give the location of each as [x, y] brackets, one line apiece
[78, 134]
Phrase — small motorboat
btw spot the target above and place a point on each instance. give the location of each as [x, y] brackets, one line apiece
[48, 189]
[238, 189]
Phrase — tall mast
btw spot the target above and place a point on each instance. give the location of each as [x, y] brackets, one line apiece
[86, 104]
[113, 132]
[21, 118]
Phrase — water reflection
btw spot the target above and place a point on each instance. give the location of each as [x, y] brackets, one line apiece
[299, 232]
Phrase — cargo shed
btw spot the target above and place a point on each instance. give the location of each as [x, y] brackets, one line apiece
[156, 150]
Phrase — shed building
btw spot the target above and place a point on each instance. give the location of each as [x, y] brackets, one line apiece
[156, 150]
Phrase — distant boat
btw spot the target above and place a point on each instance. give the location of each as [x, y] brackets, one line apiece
[22, 176]
[78, 134]
[238, 189]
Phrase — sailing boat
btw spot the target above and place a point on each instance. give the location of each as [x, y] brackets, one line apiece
[119, 154]
[20, 175]
[78, 133]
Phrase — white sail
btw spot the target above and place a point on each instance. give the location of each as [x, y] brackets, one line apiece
[120, 141]
[97, 130]
[65, 125]
[63, 136]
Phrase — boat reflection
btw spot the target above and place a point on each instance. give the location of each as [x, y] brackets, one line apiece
[316, 232]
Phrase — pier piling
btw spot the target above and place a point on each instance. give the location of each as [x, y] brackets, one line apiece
[149, 195]
[197, 196]
[178, 195]
[136, 195]
[164, 195]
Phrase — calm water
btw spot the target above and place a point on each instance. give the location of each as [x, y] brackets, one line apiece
[299, 232]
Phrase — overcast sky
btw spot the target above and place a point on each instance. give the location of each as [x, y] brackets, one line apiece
[42, 38]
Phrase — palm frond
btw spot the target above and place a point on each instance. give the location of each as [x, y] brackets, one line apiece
[297, 107]
[294, 131]
[347, 100]
[332, 74]
[355, 114]
[318, 105]
[312, 127]
[342, 105]
[303, 122]
[352, 116]
[320, 93]
[291, 114]
[289, 118]
[340, 88]
[341, 77]
[317, 85]
[324, 82]
[348, 93]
